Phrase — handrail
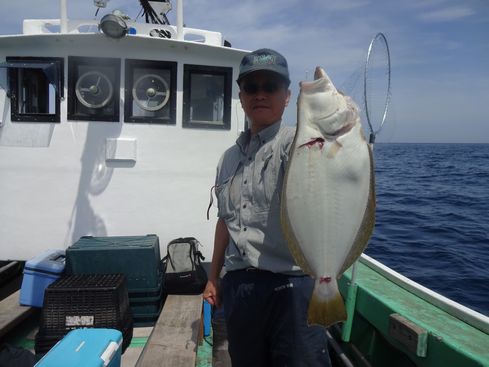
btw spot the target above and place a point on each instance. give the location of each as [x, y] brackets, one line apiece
[469, 316]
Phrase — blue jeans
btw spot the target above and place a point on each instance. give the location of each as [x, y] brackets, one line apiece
[266, 319]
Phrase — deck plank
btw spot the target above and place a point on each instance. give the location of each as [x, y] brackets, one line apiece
[174, 340]
[11, 313]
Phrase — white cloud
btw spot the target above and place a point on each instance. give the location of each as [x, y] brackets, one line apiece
[447, 14]
[341, 5]
[439, 41]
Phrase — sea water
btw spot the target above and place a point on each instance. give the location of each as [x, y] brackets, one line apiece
[432, 221]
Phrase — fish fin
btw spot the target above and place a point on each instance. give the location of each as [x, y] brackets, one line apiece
[335, 147]
[326, 306]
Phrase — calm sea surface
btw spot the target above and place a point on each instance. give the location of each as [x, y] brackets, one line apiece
[433, 217]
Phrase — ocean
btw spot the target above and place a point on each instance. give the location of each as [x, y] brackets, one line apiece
[432, 222]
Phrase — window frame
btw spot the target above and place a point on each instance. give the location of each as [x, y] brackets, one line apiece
[73, 63]
[13, 87]
[130, 65]
[225, 71]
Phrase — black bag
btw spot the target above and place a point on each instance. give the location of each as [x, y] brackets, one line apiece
[184, 273]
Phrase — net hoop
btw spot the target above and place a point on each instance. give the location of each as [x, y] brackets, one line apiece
[379, 38]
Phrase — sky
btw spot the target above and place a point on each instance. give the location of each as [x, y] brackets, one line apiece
[439, 52]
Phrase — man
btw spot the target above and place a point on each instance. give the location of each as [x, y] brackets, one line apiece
[265, 294]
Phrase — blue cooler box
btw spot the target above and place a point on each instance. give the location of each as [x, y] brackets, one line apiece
[86, 348]
[39, 273]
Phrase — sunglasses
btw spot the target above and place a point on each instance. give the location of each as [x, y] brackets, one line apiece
[267, 87]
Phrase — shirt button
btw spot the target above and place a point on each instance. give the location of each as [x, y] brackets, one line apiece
[244, 229]
[244, 206]
[245, 181]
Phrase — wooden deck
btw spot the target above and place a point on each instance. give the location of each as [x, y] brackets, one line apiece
[12, 314]
[174, 340]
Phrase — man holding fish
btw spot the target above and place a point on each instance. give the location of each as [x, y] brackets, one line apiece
[272, 264]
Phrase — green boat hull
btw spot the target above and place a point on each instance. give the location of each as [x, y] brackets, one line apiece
[399, 323]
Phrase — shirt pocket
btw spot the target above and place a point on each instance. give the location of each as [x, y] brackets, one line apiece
[225, 206]
[265, 180]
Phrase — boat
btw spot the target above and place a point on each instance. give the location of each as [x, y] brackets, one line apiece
[112, 127]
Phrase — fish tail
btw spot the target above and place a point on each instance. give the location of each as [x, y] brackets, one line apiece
[326, 306]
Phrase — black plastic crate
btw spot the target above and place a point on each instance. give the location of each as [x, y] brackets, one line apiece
[44, 343]
[85, 301]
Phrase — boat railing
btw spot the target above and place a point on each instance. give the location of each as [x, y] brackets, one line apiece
[455, 309]
[74, 26]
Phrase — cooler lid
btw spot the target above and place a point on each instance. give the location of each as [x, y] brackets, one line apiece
[84, 347]
[115, 242]
[51, 261]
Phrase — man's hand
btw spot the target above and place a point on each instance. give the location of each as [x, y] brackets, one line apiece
[211, 293]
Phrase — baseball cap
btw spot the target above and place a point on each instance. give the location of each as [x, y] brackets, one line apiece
[264, 59]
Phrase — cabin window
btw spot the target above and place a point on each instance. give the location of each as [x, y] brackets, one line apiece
[35, 88]
[93, 88]
[150, 93]
[207, 97]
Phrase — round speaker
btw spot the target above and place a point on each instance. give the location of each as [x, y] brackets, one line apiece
[94, 89]
[151, 92]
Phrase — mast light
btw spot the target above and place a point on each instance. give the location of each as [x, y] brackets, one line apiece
[113, 26]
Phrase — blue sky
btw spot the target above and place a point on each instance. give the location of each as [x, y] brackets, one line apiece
[439, 51]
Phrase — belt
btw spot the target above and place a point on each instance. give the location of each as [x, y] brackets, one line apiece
[251, 269]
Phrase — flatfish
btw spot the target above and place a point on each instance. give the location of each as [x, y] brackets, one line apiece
[328, 199]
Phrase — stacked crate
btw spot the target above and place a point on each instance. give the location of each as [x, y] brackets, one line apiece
[138, 257]
[84, 301]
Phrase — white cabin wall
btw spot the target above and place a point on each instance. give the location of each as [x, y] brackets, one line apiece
[3, 97]
[52, 195]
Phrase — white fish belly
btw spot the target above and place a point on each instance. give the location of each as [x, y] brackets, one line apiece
[326, 196]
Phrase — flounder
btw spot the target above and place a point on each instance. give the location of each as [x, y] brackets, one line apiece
[328, 199]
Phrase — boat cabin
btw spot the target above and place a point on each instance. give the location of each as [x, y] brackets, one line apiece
[104, 135]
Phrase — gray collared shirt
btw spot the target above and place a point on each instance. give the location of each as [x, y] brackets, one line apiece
[249, 182]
